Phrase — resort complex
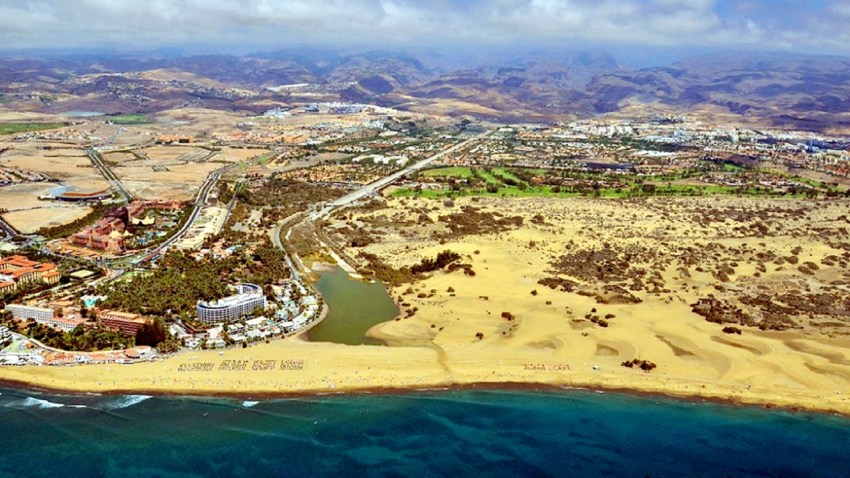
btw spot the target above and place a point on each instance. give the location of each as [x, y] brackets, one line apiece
[17, 270]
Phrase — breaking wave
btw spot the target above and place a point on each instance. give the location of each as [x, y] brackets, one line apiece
[32, 402]
[125, 402]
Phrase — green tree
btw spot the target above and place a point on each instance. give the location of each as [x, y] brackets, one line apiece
[152, 333]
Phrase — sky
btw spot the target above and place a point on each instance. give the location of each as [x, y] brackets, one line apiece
[813, 26]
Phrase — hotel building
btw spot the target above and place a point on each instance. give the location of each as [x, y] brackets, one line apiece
[15, 270]
[124, 322]
[25, 312]
[248, 298]
[45, 316]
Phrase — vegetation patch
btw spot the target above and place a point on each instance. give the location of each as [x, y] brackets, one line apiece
[15, 128]
[181, 281]
[644, 365]
[129, 119]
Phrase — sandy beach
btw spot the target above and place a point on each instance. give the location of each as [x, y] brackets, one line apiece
[331, 368]
[453, 329]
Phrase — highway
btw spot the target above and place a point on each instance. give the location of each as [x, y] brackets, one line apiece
[200, 201]
[107, 173]
[361, 193]
[7, 230]
[376, 186]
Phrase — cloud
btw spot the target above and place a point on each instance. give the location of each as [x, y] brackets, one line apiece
[765, 24]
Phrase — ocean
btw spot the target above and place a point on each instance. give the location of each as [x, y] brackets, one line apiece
[441, 433]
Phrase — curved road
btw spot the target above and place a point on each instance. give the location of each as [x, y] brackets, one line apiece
[376, 186]
[200, 202]
[361, 193]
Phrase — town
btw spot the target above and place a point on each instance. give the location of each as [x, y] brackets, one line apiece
[240, 203]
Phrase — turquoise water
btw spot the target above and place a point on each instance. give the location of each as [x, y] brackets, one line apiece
[447, 433]
[354, 307]
[83, 114]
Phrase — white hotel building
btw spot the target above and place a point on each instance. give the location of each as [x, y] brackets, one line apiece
[247, 299]
[25, 312]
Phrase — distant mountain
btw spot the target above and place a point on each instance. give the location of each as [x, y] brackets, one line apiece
[792, 90]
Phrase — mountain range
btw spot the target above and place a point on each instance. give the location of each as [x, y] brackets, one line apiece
[788, 90]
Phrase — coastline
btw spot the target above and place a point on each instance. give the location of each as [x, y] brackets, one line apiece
[472, 386]
[502, 327]
[142, 379]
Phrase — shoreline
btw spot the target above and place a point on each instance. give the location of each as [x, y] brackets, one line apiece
[654, 390]
[458, 387]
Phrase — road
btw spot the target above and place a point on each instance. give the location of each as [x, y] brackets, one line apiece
[376, 186]
[7, 230]
[276, 241]
[107, 173]
[361, 193]
[200, 201]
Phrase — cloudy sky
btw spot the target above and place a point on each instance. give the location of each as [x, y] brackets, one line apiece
[813, 26]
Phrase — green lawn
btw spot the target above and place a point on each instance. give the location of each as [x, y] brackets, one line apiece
[128, 119]
[733, 168]
[546, 191]
[14, 128]
[489, 178]
[461, 172]
[455, 172]
[264, 160]
[506, 174]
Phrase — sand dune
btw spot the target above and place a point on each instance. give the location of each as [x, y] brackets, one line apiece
[687, 250]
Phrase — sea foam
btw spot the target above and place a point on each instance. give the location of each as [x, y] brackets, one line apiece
[125, 402]
[32, 402]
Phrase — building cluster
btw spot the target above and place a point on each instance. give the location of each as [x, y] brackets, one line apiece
[18, 270]
[26, 352]
[343, 175]
[60, 315]
[248, 316]
[11, 175]
[652, 146]
[109, 233]
[340, 123]
[48, 316]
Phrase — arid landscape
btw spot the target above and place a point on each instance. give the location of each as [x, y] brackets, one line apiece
[410, 238]
[720, 293]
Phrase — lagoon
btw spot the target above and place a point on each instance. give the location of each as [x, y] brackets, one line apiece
[354, 307]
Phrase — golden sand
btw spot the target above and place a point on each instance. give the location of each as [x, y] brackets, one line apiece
[549, 341]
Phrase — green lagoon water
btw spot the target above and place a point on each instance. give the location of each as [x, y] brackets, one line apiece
[355, 306]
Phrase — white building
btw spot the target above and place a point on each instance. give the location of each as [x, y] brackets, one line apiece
[26, 312]
[248, 298]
